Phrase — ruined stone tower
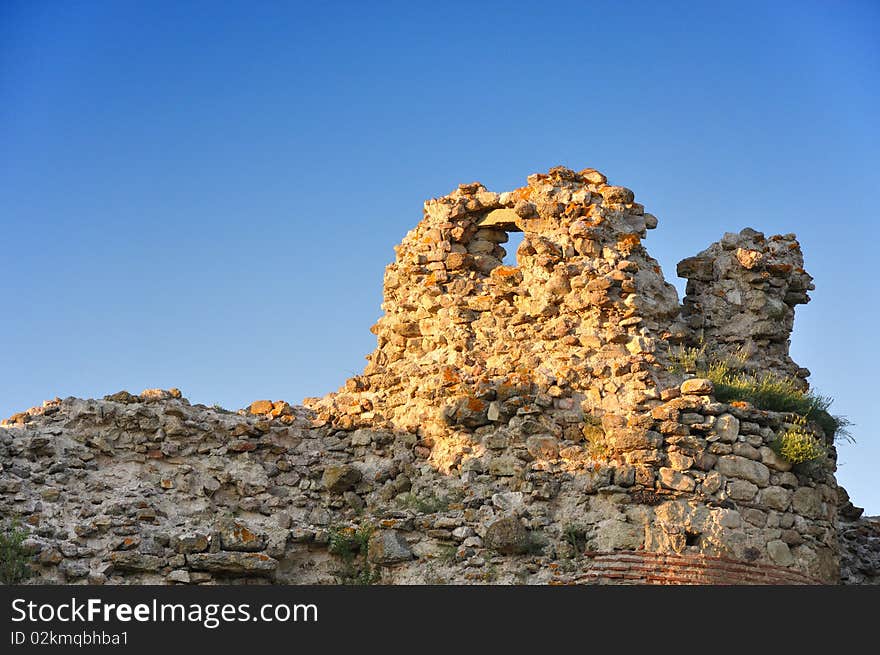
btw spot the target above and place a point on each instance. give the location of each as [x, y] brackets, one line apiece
[580, 328]
[527, 421]
[740, 301]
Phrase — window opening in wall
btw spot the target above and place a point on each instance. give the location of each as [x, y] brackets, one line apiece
[513, 241]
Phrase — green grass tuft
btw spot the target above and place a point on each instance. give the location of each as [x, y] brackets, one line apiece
[765, 391]
[351, 545]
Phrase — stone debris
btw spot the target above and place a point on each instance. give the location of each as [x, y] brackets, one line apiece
[515, 424]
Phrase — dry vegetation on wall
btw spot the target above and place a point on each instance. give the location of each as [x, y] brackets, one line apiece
[733, 382]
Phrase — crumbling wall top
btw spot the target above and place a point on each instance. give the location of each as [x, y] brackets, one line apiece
[740, 300]
[581, 327]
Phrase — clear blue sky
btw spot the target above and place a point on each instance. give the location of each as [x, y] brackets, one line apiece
[204, 194]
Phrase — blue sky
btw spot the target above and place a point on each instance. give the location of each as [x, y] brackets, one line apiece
[204, 195]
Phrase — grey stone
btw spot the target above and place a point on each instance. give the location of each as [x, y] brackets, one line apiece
[776, 498]
[388, 547]
[463, 532]
[780, 553]
[792, 537]
[726, 428]
[319, 516]
[741, 490]
[774, 460]
[754, 516]
[679, 461]
[807, 501]
[339, 478]
[74, 569]
[361, 438]
[729, 518]
[179, 575]
[734, 466]
[509, 500]
[507, 535]
[620, 535]
[624, 476]
[236, 536]
[133, 561]
[747, 451]
[704, 461]
[354, 501]
[542, 447]
[712, 482]
[504, 466]
[50, 557]
[788, 479]
[672, 479]
[233, 563]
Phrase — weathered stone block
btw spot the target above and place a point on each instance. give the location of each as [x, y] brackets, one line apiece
[388, 547]
[807, 501]
[734, 466]
[776, 498]
[190, 542]
[261, 407]
[504, 466]
[232, 563]
[507, 535]
[543, 447]
[697, 387]
[726, 428]
[672, 479]
[780, 553]
[774, 460]
[741, 490]
[339, 478]
[235, 535]
[133, 561]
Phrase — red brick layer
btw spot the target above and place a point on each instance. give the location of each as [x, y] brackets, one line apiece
[631, 567]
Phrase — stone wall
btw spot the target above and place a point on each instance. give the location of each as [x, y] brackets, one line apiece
[152, 489]
[515, 424]
[740, 300]
[859, 549]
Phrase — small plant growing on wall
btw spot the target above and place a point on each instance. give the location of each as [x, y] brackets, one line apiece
[799, 446]
[425, 504]
[351, 545]
[575, 535]
[14, 558]
[594, 435]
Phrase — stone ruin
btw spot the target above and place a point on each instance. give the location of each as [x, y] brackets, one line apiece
[515, 424]
[741, 295]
